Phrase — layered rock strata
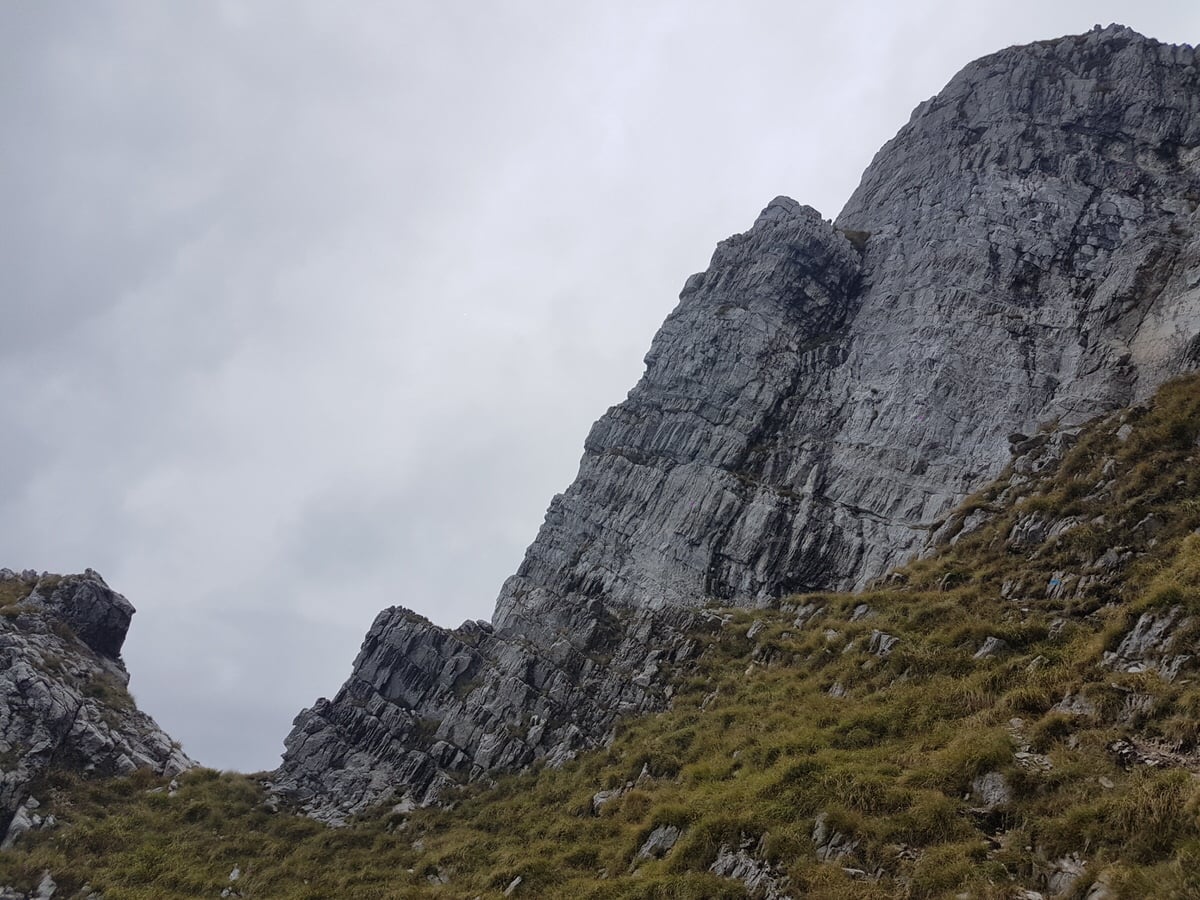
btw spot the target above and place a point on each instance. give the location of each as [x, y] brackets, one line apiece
[426, 706]
[63, 697]
[1023, 252]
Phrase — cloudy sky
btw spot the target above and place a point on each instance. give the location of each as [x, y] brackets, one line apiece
[307, 307]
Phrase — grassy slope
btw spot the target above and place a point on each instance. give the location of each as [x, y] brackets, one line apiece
[755, 746]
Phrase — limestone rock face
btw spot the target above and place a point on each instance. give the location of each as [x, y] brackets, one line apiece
[1029, 254]
[1033, 257]
[424, 702]
[701, 483]
[1024, 251]
[63, 701]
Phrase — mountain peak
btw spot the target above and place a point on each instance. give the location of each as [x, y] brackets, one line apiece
[1023, 252]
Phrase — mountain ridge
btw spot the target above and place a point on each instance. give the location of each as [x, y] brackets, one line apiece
[810, 411]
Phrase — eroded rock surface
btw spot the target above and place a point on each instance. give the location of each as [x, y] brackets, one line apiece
[425, 705]
[1154, 644]
[744, 863]
[63, 698]
[1024, 251]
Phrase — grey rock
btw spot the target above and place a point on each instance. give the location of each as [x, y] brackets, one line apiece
[806, 614]
[991, 791]
[831, 844]
[63, 701]
[660, 842]
[602, 798]
[1149, 526]
[98, 616]
[743, 863]
[1075, 705]
[20, 823]
[1062, 526]
[1063, 874]
[1112, 559]
[882, 643]
[1029, 531]
[427, 707]
[992, 646]
[971, 523]
[1022, 252]
[1061, 584]
[1151, 645]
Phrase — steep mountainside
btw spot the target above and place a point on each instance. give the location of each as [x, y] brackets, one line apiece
[63, 702]
[1024, 251]
[1016, 716]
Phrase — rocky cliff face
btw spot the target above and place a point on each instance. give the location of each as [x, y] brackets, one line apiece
[63, 701]
[426, 706]
[1024, 251]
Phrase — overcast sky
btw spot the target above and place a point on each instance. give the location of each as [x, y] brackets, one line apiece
[308, 306]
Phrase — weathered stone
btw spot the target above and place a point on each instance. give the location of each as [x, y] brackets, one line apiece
[63, 701]
[46, 888]
[744, 863]
[20, 823]
[1024, 248]
[1029, 531]
[1075, 705]
[1150, 645]
[600, 799]
[1063, 874]
[424, 702]
[830, 843]
[660, 842]
[992, 646]
[882, 643]
[971, 523]
[991, 791]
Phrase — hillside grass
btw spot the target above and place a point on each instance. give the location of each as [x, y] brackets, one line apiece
[779, 723]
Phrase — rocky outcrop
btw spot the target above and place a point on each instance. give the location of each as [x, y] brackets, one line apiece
[63, 698]
[425, 706]
[744, 863]
[1158, 642]
[1024, 251]
[1028, 254]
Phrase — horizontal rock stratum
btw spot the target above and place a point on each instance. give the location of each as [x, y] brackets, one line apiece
[1022, 254]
